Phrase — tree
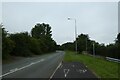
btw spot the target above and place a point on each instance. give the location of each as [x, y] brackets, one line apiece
[118, 38]
[42, 32]
[35, 46]
[68, 46]
[22, 42]
[117, 43]
[82, 40]
[7, 45]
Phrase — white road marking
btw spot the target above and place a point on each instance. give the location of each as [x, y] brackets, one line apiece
[73, 65]
[84, 71]
[12, 70]
[55, 71]
[61, 66]
[81, 70]
[17, 69]
[66, 72]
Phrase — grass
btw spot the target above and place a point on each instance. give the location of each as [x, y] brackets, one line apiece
[11, 59]
[101, 67]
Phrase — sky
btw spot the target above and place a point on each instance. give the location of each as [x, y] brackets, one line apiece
[59, 0]
[0, 12]
[97, 19]
[119, 17]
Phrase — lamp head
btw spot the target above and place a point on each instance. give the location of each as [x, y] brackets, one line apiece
[68, 18]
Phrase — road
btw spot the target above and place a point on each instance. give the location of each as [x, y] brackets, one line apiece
[73, 70]
[33, 67]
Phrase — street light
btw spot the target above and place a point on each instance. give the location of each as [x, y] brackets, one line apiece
[75, 33]
[87, 37]
[93, 49]
[86, 44]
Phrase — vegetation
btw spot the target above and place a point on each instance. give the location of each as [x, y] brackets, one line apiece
[7, 45]
[85, 44]
[102, 68]
[24, 44]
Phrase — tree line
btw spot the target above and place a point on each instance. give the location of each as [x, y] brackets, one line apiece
[39, 41]
[84, 44]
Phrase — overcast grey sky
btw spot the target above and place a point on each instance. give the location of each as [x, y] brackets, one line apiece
[98, 19]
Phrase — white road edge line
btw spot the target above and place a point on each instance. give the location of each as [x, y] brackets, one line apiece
[18, 69]
[55, 70]
[61, 66]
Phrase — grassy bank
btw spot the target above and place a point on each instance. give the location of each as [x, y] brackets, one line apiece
[101, 67]
[12, 59]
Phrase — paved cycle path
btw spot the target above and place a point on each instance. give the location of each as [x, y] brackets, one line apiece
[73, 70]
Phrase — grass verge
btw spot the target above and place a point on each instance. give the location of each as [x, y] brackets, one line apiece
[100, 66]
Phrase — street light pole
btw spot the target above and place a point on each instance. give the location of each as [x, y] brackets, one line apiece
[86, 44]
[75, 33]
[75, 36]
[93, 49]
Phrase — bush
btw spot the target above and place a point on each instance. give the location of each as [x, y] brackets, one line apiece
[22, 44]
[35, 46]
[22, 41]
[7, 47]
[7, 44]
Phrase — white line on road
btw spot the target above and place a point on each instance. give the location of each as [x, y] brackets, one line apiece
[61, 66]
[66, 72]
[81, 70]
[18, 69]
[73, 65]
[55, 70]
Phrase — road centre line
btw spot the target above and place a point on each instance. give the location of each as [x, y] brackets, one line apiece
[18, 69]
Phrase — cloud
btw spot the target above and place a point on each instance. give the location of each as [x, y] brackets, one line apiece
[99, 20]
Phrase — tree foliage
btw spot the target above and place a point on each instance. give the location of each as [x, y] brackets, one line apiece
[68, 46]
[85, 44]
[22, 44]
[43, 33]
[40, 42]
[82, 39]
[118, 39]
[7, 44]
[35, 46]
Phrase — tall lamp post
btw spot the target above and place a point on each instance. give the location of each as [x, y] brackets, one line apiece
[75, 33]
[93, 49]
[86, 44]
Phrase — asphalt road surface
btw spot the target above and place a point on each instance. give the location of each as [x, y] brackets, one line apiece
[33, 67]
[73, 70]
